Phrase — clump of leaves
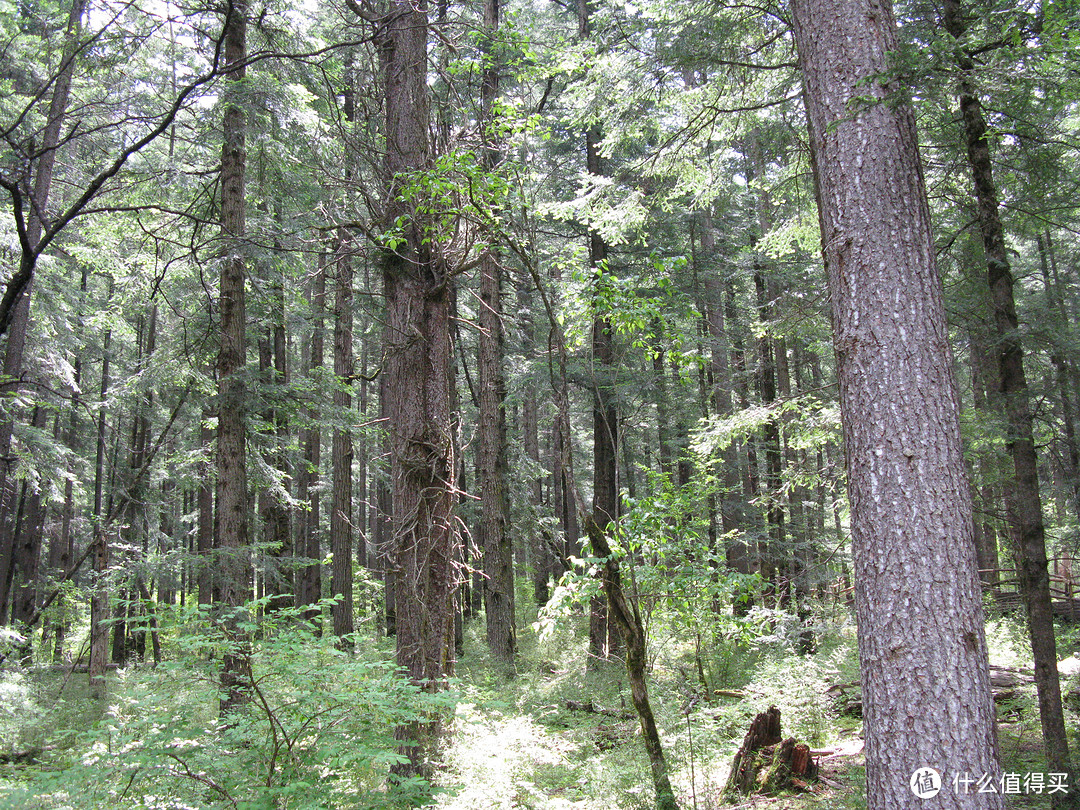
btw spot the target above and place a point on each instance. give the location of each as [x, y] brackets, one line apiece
[316, 732]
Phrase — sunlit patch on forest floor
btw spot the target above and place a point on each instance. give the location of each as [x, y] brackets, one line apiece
[526, 743]
[518, 745]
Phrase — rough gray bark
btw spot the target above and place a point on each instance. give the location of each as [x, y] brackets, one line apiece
[922, 650]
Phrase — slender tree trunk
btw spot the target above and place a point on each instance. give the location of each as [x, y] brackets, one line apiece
[541, 541]
[273, 504]
[984, 392]
[1023, 500]
[605, 418]
[309, 578]
[99, 599]
[341, 507]
[770, 434]
[384, 540]
[494, 526]
[626, 617]
[1063, 372]
[922, 649]
[730, 506]
[231, 519]
[27, 558]
[204, 532]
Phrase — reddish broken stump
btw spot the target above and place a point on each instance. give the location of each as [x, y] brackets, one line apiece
[766, 763]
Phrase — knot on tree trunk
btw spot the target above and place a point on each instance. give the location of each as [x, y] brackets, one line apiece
[766, 763]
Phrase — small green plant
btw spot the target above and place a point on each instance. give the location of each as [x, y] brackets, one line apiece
[317, 730]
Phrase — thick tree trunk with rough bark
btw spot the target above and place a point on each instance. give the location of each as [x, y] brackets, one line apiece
[417, 288]
[922, 650]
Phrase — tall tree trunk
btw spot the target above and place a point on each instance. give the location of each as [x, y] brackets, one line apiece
[770, 434]
[922, 649]
[541, 542]
[231, 519]
[1023, 501]
[341, 507]
[62, 552]
[384, 538]
[35, 207]
[99, 599]
[494, 538]
[28, 549]
[605, 418]
[309, 577]
[984, 391]
[417, 287]
[730, 504]
[1064, 372]
[273, 504]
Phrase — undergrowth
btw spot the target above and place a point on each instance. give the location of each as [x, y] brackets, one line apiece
[319, 730]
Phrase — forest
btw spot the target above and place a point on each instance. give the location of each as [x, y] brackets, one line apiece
[608, 404]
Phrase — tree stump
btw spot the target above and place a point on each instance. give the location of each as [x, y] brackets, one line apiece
[766, 763]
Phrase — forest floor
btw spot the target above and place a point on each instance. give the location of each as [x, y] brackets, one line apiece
[518, 744]
[526, 741]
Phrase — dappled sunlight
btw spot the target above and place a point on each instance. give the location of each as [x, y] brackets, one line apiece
[499, 760]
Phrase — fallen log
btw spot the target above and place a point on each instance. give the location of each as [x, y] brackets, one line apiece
[21, 757]
[590, 708]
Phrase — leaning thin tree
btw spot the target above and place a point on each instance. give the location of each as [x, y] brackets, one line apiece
[922, 648]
